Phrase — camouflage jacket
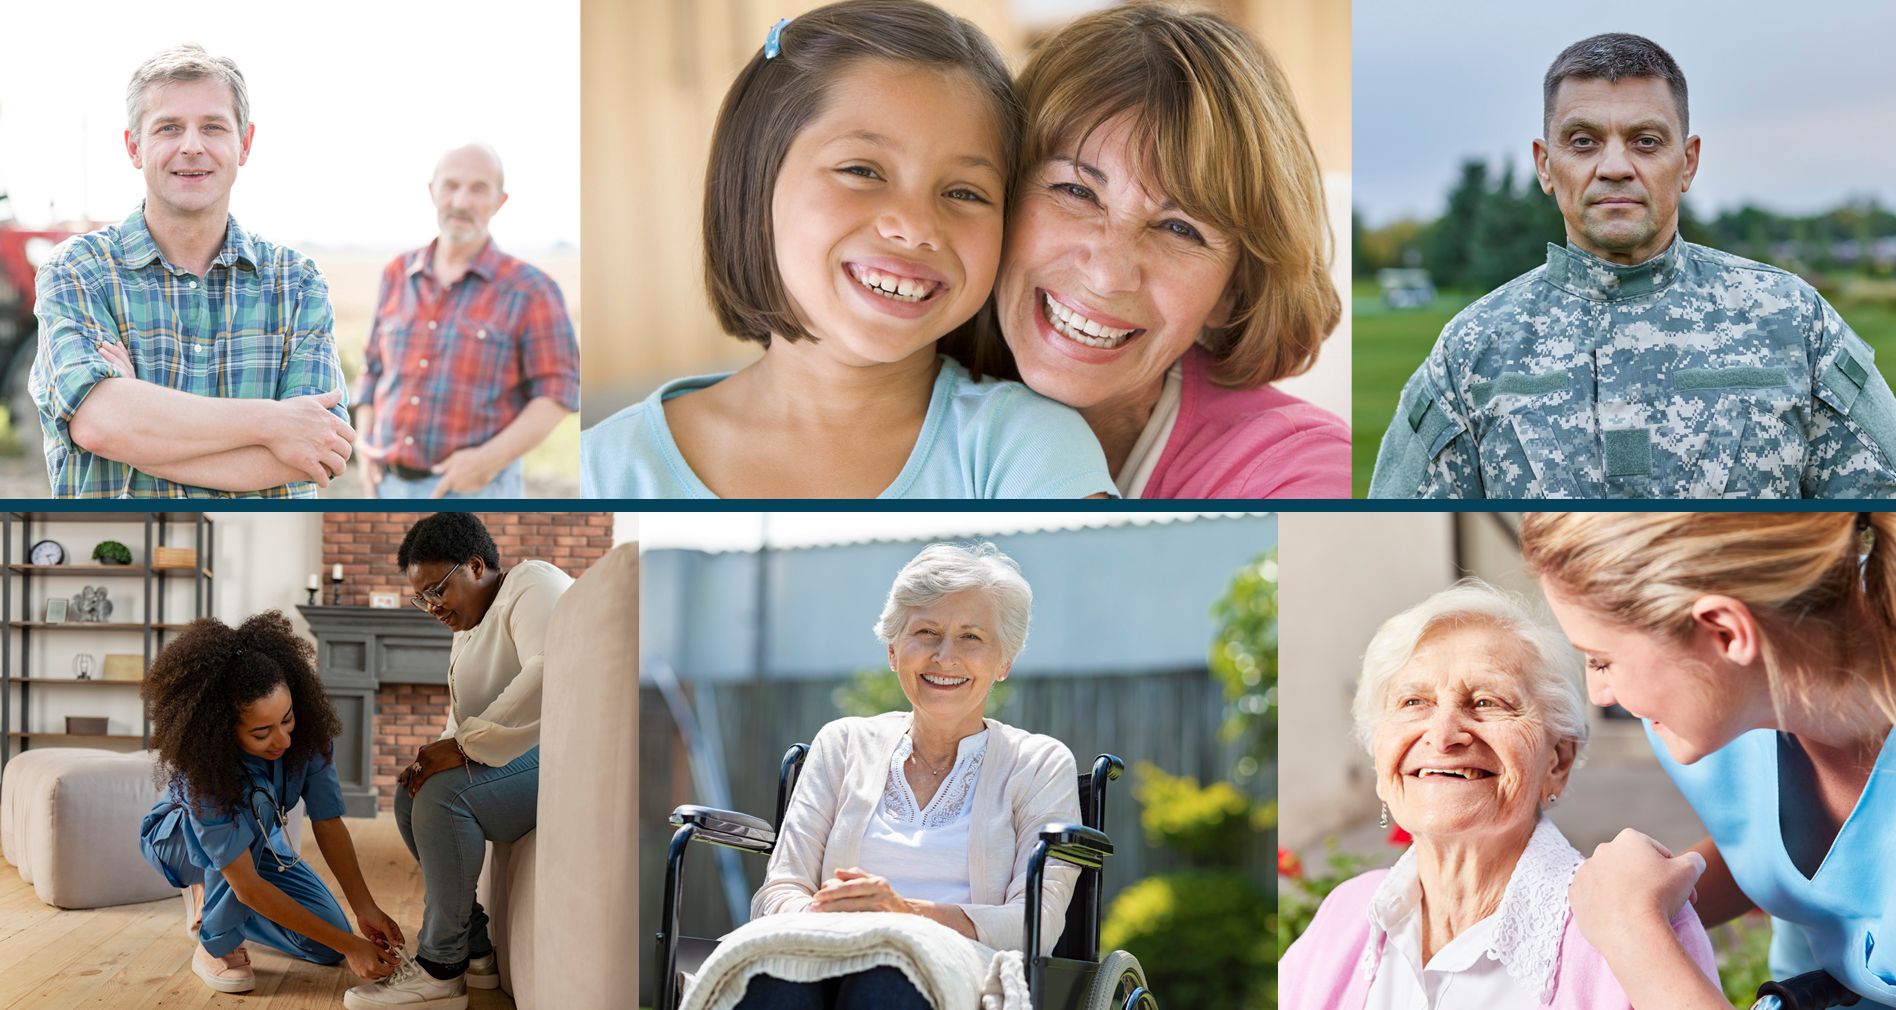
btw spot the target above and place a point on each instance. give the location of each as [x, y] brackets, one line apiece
[1696, 374]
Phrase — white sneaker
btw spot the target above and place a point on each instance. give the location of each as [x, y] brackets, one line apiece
[410, 988]
[483, 973]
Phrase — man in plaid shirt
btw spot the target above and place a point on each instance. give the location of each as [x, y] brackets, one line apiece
[179, 355]
[471, 360]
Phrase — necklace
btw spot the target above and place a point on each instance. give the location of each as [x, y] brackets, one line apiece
[916, 756]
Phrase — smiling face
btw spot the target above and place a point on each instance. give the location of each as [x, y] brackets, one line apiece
[463, 600]
[1617, 160]
[1460, 748]
[466, 189]
[189, 148]
[264, 726]
[948, 656]
[1695, 700]
[887, 211]
[1104, 283]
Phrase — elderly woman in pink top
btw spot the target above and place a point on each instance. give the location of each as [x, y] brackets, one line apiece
[1167, 259]
[1473, 715]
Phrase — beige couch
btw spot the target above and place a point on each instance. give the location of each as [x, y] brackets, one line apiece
[569, 889]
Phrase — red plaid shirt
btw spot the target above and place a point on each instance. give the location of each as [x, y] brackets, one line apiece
[446, 370]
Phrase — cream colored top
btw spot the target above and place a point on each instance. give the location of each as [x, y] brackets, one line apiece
[1026, 781]
[495, 668]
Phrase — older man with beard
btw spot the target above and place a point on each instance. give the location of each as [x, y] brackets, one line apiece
[471, 360]
[1635, 364]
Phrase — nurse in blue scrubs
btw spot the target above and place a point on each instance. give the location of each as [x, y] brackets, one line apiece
[1760, 650]
[243, 732]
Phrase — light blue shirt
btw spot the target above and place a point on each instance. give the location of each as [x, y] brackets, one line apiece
[987, 439]
[1843, 918]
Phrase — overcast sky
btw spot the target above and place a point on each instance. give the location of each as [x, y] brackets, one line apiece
[1795, 102]
[354, 100]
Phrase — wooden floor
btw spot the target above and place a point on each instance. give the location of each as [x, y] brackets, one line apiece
[137, 957]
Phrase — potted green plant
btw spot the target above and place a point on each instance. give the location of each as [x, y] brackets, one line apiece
[111, 552]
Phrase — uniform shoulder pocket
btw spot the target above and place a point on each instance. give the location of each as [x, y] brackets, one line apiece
[1419, 432]
[1853, 387]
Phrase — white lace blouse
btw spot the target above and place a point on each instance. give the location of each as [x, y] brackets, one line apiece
[1506, 960]
[923, 850]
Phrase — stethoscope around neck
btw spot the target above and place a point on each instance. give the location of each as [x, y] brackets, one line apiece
[263, 830]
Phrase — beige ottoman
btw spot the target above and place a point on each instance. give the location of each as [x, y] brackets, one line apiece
[69, 821]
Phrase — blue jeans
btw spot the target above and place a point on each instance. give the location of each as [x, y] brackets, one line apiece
[227, 923]
[447, 826]
[876, 989]
[508, 483]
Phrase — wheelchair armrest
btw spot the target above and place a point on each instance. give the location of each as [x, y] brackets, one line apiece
[1077, 844]
[728, 828]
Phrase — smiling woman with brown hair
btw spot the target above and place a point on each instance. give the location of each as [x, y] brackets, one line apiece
[1168, 258]
[1471, 711]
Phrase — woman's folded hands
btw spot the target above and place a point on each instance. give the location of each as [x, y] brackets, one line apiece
[852, 890]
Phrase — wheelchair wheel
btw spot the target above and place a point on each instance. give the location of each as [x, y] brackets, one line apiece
[1120, 984]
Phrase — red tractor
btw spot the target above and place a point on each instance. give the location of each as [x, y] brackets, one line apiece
[21, 252]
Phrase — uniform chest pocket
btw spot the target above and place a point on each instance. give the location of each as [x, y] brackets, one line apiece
[1753, 443]
[1534, 444]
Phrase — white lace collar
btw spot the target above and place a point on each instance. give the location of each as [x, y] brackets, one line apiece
[952, 796]
[1528, 924]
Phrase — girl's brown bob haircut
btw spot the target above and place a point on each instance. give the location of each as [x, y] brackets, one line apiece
[773, 99]
[1214, 123]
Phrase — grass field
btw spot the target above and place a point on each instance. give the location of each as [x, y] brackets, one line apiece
[1390, 343]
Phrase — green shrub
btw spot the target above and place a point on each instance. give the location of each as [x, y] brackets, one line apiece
[112, 552]
[1744, 954]
[1208, 823]
[1202, 936]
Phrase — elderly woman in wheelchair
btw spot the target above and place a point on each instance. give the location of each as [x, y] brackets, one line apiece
[913, 846]
[1472, 714]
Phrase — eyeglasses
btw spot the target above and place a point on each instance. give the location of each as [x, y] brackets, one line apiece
[430, 598]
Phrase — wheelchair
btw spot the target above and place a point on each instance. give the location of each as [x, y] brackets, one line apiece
[1815, 990]
[1074, 978]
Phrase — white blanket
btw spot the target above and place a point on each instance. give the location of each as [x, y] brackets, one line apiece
[950, 970]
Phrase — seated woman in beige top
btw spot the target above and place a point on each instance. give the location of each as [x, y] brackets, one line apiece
[932, 812]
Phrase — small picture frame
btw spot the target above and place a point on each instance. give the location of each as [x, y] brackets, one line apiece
[56, 610]
[384, 600]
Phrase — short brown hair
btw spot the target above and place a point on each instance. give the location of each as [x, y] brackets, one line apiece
[775, 98]
[1610, 57]
[188, 62]
[1216, 116]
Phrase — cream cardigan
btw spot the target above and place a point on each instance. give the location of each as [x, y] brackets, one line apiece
[496, 667]
[1027, 780]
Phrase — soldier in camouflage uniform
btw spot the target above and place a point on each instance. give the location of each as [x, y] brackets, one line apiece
[1634, 364]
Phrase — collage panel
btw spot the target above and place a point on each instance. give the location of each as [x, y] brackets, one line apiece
[395, 315]
[371, 751]
[1578, 277]
[823, 237]
[887, 715]
[1599, 759]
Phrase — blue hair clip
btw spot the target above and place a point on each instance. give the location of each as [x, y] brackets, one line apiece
[773, 43]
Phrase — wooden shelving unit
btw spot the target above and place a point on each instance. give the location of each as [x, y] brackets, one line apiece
[22, 611]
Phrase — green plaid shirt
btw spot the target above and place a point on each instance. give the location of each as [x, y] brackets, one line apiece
[256, 325]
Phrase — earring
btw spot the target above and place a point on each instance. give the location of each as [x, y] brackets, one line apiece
[1384, 820]
[1552, 798]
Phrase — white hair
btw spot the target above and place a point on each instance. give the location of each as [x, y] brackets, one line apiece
[1549, 668]
[941, 569]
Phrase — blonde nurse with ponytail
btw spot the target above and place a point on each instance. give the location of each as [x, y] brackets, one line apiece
[1760, 651]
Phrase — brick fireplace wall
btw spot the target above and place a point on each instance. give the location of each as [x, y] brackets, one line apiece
[409, 715]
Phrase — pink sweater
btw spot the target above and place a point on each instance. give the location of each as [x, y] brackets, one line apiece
[1323, 969]
[1249, 443]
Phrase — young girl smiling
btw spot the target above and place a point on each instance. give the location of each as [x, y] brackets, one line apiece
[854, 206]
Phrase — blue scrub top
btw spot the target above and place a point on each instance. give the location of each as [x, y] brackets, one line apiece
[1833, 919]
[217, 837]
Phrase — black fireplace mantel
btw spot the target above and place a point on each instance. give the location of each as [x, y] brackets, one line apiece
[358, 649]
